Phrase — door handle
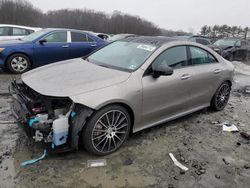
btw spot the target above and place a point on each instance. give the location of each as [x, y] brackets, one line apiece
[93, 45]
[185, 76]
[65, 46]
[216, 71]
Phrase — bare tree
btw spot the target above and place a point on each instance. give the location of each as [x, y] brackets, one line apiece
[224, 31]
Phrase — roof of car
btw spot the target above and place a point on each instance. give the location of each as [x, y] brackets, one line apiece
[157, 41]
[65, 29]
[20, 26]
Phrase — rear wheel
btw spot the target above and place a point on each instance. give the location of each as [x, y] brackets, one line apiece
[221, 97]
[107, 130]
[18, 63]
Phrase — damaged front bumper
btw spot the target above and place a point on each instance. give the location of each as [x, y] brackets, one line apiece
[54, 121]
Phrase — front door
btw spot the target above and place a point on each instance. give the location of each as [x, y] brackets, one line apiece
[167, 96]
[54, 48]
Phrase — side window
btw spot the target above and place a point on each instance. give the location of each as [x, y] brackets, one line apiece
[29, 31]
[238, 43]
[200, 56]
[19, 32]
[90, 39]
[5, 31]
[174, 57]
[243, 43]
[78, 37]
[57, 37]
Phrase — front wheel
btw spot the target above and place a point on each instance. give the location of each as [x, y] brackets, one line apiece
[18, 63]
[106, 130]
[221, 97]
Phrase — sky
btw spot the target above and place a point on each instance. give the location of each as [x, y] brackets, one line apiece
[186, 15]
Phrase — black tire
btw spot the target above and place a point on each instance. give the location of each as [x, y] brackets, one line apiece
[221, 97]
[95, 132]
[20, 61]
[230, 57]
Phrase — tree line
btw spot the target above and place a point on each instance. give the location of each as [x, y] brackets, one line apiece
[224, 31]
[22, 12]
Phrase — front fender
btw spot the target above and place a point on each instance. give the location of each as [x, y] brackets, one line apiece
[128, 94]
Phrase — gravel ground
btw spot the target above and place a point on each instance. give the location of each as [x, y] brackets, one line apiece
[214, 158]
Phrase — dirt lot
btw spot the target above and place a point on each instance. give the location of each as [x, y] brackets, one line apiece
[214, 158]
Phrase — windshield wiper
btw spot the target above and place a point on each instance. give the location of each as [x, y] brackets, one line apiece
[103, 65]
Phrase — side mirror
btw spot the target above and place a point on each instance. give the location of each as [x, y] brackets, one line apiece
[42, 41]
[161, 70]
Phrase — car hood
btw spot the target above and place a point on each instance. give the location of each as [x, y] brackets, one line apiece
[7, 43]
[71, 78]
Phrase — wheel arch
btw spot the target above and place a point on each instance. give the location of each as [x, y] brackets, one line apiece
[17, 52]
[126, 106]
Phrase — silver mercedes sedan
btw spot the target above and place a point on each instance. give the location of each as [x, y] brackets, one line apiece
[122, 88]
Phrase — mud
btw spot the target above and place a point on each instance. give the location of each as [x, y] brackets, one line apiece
[214, 158]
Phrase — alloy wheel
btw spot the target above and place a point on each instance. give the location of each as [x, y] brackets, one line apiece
[19, 64]
[223, 96]
[110, 131]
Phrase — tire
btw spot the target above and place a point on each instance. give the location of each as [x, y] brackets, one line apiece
[221, 97]
[106, 130]
[230, 57]
[18, 63]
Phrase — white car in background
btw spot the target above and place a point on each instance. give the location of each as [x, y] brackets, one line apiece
[11, 32]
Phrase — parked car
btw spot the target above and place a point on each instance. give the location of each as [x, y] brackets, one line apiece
[196, 38]
[106, 96]
[10, 32]
[46, 46]
[120, 36]
[234, 49]
[103, 36]
[201, 40]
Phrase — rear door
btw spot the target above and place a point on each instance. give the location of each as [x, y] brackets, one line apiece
[81, 44]
[55, 48]
[167, 96]
[209, 75]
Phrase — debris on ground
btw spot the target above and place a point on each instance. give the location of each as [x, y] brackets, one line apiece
[128, 162]
[32, 161]
[199, 167]
[8, 122]
[4, 92]
[245, 135]
[96, 163]
[225, 161]
[177, 163]
[229, 127]
[215, 122]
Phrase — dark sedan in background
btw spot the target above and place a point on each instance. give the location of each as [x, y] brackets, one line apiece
[201, 40]
[234, 49]
[46, 46]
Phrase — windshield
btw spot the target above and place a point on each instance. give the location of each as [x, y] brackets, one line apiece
[34, 35]
[225, 42]
[122, 55]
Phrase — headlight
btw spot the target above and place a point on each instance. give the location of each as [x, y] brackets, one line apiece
[1, 49]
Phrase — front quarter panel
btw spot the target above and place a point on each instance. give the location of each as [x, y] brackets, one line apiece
[128, 92]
